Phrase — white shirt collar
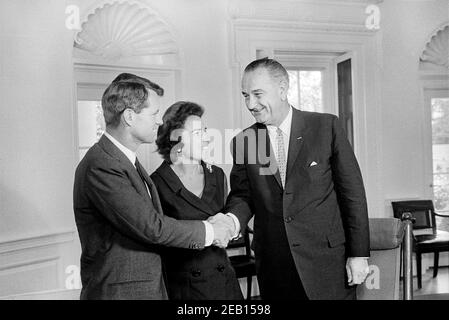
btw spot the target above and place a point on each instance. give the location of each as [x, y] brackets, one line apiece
[131, 155]
[286, 125]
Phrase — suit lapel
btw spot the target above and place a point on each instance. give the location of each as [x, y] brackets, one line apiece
[210, 186]
[115, 152]
[177, 187]
[296, 140]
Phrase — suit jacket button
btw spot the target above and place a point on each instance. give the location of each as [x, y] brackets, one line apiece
[288, 219]
[220, 268]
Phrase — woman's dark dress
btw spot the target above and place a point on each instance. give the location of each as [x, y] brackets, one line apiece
[193, 274]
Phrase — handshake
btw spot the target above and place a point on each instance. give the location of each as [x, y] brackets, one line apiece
[224, 229]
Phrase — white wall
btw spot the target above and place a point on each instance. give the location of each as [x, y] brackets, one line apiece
[202, 30]
[36, 123]
[405, 27]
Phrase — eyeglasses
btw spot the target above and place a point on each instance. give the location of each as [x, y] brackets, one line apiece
[197, 132]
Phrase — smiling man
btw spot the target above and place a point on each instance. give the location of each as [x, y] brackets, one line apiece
[311, 234]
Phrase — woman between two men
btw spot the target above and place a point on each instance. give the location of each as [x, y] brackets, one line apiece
[190, 189]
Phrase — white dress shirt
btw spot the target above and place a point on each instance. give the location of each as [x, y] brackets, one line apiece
[286, 127]
[131, 155]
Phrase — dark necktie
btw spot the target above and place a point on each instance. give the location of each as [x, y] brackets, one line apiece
[139, 171]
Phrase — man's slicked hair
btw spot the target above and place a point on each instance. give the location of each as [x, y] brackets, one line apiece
[147, 83]
[274, 68]
[127, 91]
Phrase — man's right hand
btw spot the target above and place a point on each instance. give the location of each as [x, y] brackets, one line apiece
[223, 229]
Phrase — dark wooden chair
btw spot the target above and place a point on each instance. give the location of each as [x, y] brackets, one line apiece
[427, 239]
[244, 264]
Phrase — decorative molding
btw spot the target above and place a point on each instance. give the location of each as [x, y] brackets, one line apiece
[35, 271]
[434, 76]
[306, 11]
[28, 263]
[301, 26]
[65, 294]
[88, 67]
[436, 50]
[125, 29]
[21, 244]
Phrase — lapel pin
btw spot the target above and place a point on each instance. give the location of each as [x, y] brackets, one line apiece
[299, 138]
[209, 167]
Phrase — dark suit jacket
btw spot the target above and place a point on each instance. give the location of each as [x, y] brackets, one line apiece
[196, 275]
[121, 228]
[324, 206]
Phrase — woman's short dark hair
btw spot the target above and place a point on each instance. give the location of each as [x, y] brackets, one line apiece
[174, 118]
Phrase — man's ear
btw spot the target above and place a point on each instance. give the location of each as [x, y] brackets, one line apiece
[283, 89]
[128, 117]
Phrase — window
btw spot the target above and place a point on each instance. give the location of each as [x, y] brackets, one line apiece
[440, 153]
[306, 90]
[91, 125]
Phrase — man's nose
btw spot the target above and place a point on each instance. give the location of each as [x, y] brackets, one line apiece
[206, 137]
[251, 103]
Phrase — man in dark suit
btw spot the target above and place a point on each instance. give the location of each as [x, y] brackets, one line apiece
[117, 208]
[297, 174]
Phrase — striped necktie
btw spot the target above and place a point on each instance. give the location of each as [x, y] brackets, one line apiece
[281, 157]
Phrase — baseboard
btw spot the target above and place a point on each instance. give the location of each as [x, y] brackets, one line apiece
[47, 295]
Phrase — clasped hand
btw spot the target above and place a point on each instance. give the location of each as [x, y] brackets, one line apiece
[224, 229]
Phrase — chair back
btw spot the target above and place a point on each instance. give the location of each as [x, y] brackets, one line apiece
[382, 282]
[422, 211]
[243, 242]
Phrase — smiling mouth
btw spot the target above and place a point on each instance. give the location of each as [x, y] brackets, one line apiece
[257, 111]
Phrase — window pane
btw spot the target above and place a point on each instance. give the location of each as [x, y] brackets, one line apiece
[293, 94]
[311, 93]
[91, 124]
[440, 150]
[306, 90]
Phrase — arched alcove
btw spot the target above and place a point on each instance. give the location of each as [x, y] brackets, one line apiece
[435, 54]
[126, 32]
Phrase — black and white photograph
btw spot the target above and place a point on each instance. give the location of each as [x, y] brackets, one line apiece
[231, 153]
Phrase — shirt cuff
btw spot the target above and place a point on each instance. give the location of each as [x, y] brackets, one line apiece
[209, 234]
[236, 224]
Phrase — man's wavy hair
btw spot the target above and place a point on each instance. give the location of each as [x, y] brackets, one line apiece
[127, 91]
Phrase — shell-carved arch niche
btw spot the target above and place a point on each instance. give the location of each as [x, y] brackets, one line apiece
[436, 50]
[126, 31]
